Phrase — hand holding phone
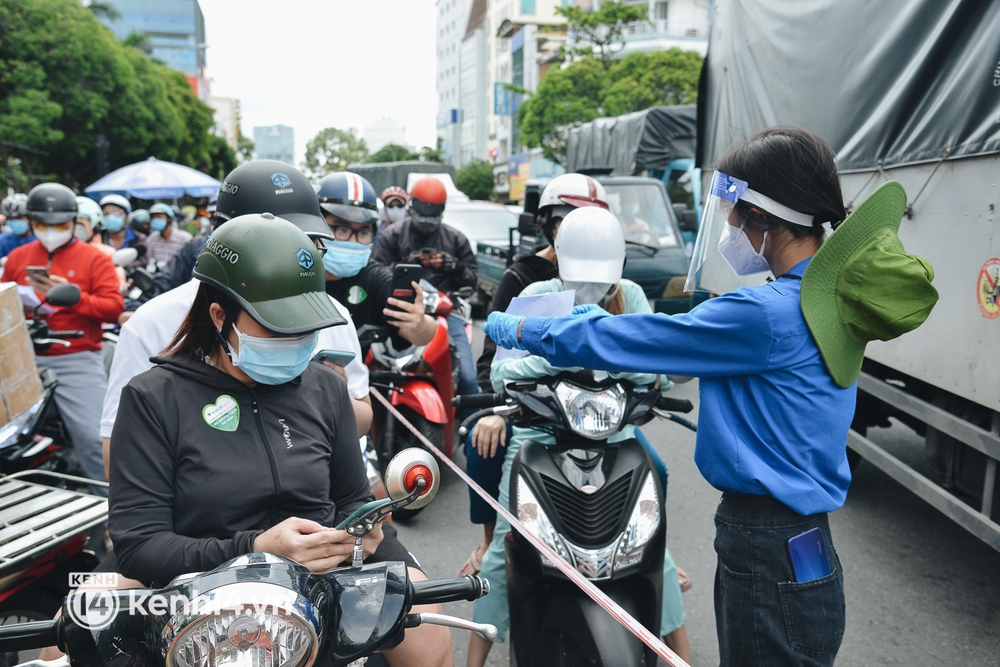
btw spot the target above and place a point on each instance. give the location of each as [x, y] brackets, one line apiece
[403, 277]
[338, 357]
[36, 272]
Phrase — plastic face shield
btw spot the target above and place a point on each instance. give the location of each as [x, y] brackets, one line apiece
[709, 271]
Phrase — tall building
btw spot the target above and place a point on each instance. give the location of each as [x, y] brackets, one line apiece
[474, 66]
[227, 120]
[176, 31]
[672, 23]
[452, 20]
[385, 131]
[274, 142]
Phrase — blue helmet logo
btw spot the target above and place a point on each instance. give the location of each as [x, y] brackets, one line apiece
[280, 180]
[304, 256]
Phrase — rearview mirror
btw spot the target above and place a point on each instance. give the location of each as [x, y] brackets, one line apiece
[465, 292]
[125, 256]
[63, 295]
[526, 224]
[404, 471]
[142, 279]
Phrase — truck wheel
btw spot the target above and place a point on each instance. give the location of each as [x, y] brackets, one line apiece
[405, 439]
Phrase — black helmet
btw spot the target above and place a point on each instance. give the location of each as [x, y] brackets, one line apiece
[349, 197]
[51, 204]
[269, 186]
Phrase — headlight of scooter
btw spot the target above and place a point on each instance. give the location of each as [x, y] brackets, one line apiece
[592, 414]
[531, 514]
[242, 625]
[642, 526]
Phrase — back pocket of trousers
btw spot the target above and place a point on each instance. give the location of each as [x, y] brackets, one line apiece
[814, 614]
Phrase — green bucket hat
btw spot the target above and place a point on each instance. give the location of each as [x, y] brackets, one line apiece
[863, 286]
[274, 272]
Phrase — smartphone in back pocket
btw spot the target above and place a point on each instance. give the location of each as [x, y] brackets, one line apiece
[402, 277]
[810, 559]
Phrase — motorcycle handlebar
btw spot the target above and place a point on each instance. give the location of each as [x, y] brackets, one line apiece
[33, 635]
[473, 401]
[66, 334]
[468, 588]
[674, 404]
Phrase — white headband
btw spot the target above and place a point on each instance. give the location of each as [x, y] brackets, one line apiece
[763, 201]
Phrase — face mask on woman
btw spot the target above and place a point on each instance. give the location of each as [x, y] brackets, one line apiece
[588, 292]
[52, 238]
[272, 360]
[19, 227]
[114, 223]
[345, 259]
[738, 252]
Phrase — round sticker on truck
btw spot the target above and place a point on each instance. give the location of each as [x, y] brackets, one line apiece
[988, 288]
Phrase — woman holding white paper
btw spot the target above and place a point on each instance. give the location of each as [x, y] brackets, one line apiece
[591, 252]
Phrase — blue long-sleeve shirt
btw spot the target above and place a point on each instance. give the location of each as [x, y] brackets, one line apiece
[10, 240]
[772, 421]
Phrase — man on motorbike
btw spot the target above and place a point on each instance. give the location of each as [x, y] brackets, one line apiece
[247, 189]
[590, 247]
[52, 209]
[395, 199]
[365, 287]
[114, 233]
[165, 241]
[15, 209]
[444, 252]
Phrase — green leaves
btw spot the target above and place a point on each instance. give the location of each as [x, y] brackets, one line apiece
[332, 150]
[475, 179]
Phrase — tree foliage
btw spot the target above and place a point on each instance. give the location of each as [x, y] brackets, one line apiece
[476, 179]
[393, 153]
[598, 32]
[65, 80]
[332, 150]
[585, 90]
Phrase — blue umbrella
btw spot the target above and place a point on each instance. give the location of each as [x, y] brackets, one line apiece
[154, 179]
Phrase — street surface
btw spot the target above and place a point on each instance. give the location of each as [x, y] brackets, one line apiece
[920, 590]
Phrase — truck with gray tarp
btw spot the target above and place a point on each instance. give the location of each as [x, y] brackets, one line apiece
[907, 92]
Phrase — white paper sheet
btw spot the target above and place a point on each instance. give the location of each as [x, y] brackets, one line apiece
[30, 299]
[553, 304]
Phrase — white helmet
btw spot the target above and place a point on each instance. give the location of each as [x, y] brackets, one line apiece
[591, 247]
[573, 190]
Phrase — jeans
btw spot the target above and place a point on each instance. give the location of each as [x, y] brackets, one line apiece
[762, 615]
[486, 473]
[466, 364]
[79, 392]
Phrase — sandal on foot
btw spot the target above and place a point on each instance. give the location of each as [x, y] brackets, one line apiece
[474, 564]
[684, 580]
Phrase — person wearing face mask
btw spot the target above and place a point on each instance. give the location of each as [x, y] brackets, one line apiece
[444, 252]
[15, 208]
[138, 220]
[778, 363]
[365, 287]
[52, 209]
[164, 241]
[116, 234]
[395, 200]
[590, 247]
[235, 417]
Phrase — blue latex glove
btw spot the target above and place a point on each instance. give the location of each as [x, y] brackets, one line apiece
[588, 310]
[502, 328]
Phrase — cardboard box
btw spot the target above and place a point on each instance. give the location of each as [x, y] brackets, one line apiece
[20, 387]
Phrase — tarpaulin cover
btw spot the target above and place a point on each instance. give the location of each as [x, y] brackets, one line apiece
[635, 142]
[383, 174]
[897, 82]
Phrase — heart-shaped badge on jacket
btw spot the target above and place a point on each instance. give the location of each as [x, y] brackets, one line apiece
[224, 414]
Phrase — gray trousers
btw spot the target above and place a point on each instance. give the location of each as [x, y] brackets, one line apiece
[80, 395]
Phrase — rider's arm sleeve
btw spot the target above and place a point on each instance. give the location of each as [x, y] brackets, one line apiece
[104, 300]
[470, 267]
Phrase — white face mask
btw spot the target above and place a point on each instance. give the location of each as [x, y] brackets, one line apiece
[395, 213]
[588, 292]
[738, 252]
[52, 238]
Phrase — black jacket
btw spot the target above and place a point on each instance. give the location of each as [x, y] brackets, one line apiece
[365, 295]
[525, 270]
[401, 238]
[187, 496]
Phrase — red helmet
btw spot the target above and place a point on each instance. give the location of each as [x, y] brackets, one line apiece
[394, 193]
[427, 198]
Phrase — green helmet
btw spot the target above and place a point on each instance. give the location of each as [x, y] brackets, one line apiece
[88, 208]
[274, 272]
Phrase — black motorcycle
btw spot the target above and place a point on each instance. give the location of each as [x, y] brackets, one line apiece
[261, 609]
[599, 505]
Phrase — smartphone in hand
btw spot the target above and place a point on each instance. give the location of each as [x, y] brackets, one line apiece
[403, 275]
[338, 357]
[36, 272]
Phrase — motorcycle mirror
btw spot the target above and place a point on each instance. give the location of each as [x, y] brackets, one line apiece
[526, 224]
[125, 256]
[465, 292]
[142, 279]
[63, 295]
[403, 471]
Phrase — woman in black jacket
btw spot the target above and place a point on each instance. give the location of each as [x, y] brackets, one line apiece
[235, 442]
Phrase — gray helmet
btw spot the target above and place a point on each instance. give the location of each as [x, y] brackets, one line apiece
[14, 206]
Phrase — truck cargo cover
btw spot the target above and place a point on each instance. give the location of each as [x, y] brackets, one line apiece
[648, 139]
[910, 80]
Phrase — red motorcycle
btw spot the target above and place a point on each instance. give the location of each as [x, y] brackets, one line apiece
[418, 381]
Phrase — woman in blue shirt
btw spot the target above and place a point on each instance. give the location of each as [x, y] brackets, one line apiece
[775, 408]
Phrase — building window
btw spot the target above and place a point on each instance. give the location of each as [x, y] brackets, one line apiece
[527, 6]
[661, 10]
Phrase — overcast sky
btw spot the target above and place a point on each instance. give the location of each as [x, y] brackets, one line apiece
[313, 64]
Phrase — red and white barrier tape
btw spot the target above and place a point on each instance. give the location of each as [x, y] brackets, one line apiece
[596, 594]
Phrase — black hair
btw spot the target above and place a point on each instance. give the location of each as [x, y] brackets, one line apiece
[793, 167]
[197, 336]
[551, 219]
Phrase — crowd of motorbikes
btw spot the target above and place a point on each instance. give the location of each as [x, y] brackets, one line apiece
[598, 505]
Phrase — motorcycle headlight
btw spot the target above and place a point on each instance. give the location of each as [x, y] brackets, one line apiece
[642, 526]
[592, 414]
[242, 625]
[534, 519]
